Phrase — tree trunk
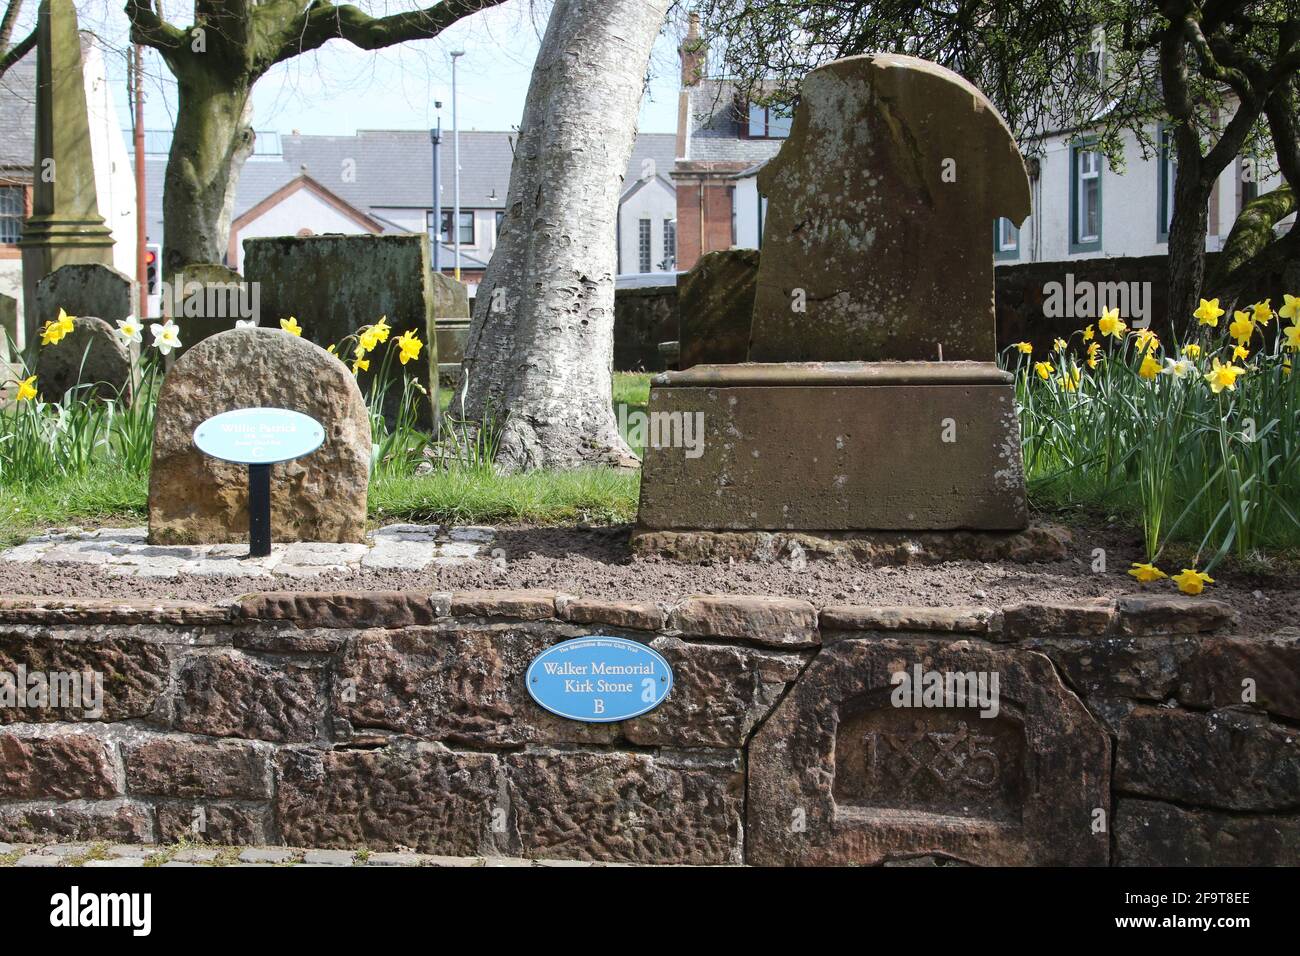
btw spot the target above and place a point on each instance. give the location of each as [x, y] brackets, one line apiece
[538, 361]
[1253, 252]
[212, 139]
[1187, 229]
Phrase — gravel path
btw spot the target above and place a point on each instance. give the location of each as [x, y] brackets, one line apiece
[598, 563]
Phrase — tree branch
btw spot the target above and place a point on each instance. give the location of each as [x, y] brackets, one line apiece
[323, 21]
[17, 52]
[149, 28]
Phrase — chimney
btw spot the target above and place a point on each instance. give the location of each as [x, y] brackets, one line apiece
[694, 54]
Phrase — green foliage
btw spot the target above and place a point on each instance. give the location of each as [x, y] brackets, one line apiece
[1219, 472]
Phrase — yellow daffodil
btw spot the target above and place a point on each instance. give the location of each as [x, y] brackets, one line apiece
[1191, 581]
[1208, 313]
[1290, 308]
[359, 352]
[1044, 370]
[382, 328]
[1262, 312]
[1146, 340]
[166, 336]
[1146, 573]
[1111, 324]
[360, 365]
[1025, 348]
[1059, 344]
[1192, 350]
[1150, 367]
[1240, 352]
[1286, 367]
[54, 331]
[1242, 327]
[291, 326]
[1223, 376]
[27, 389]
[410, 346]
[367, 341]
[1292, 335]
[128, 330]
[331, 349]
[1094, 354]
[1088, 333]
[1069, 379]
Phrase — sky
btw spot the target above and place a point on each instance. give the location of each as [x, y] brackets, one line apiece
[340, 89]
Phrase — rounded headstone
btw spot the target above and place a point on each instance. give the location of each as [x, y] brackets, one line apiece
[91, 355]
[195, 499]
[82, 289]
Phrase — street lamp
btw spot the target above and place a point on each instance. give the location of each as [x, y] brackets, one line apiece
[435, 137]
[455, 160]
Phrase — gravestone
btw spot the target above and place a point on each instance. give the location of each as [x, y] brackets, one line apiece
[871, 400]
[452, 317]
[881, 206]
[335, 284]
[206, 298]
[196, 499]
[93, 355]
[82, 289]
[715, 302]
[857, 766]
[8, 326]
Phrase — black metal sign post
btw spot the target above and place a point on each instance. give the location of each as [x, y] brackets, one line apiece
[259, 511]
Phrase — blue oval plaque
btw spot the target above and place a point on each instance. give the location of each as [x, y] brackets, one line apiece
[599, 680]
[259, 436]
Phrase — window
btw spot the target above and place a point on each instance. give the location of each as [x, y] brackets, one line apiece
[769, 122]
[1168, 175]
[466, 227]
[643, 245]
[1006, 240]
[670, 245]
[13, 206]
[1085, 206]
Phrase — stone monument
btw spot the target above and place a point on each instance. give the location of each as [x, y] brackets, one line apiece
[91, 356]
[82, 289]
[871, 400]
[206, 298]
[65, 226]
[196, 499]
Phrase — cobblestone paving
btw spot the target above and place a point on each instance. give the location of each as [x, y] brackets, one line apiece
[123, 552]
[104, 855]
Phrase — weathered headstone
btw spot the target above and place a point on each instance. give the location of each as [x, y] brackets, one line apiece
[452, 318]
[91, 355]
[861, 766]
[8, 326]
[871, 400]
[206, 298]
[715, 302]
[880, 208]
[82, 289]
[196, 499]
[335, 284]
[65, 226]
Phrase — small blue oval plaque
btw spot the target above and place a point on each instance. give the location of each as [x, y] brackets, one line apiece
[259, 436]
[599, 679]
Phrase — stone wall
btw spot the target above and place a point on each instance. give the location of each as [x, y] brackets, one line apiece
[387, 719]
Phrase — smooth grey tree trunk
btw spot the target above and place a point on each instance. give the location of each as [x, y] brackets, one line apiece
[538, 360]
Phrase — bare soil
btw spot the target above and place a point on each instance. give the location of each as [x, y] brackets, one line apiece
[597, 562]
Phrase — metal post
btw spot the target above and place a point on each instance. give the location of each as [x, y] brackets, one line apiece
[259, 511]
[141, 223]
[455, 159]
[435, 136]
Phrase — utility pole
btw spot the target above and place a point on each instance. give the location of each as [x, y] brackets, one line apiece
[455, 159]
[435, 137]
[141, 205]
